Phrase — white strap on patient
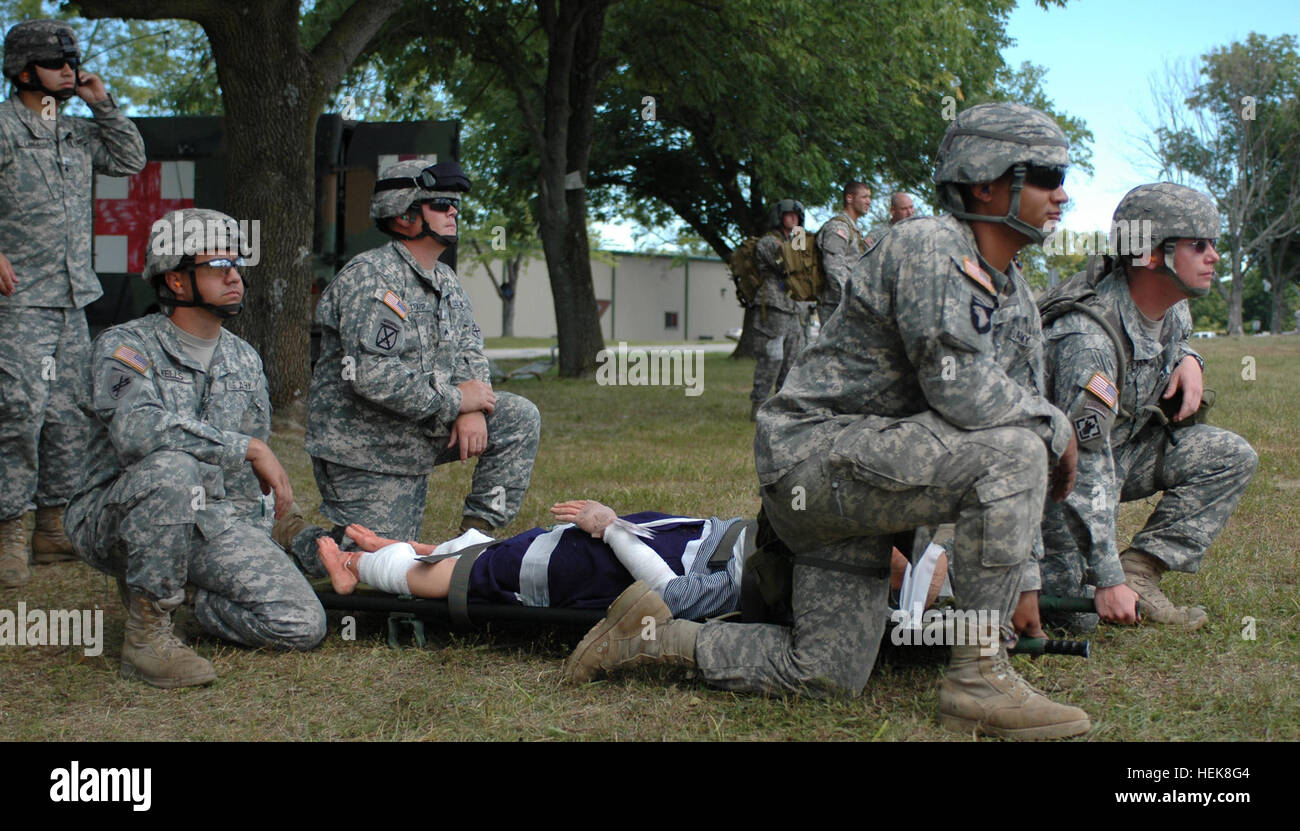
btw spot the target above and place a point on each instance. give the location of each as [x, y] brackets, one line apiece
[637, 557]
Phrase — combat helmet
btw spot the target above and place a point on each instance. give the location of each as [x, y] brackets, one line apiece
[175, 238]
[33, 41]
[986, 141]
[406, 183]
[1175, 212]
[783, 207]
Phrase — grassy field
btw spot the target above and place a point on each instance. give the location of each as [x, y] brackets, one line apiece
[641, 448]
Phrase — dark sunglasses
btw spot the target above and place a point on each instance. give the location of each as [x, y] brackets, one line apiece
[442, 204]
[1199, 245]
[1041, 176]
[57, 63]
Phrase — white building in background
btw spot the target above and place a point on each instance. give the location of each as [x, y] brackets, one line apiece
[643, 298]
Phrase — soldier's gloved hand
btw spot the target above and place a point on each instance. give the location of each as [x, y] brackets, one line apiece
[1117, 604]
[476, 396]
[588, 514]
[1025, 618]
[91, 88]
[8, 280]
[1061, 481]
[270, 475]
[1187, 377]
[470, 429]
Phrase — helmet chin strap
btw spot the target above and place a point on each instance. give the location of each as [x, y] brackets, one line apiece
[425, 231]
[56, 94]
[1168, 247]
[1012, 220]
[224, 312]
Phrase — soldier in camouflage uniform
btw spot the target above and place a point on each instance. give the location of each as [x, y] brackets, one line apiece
[402, 383]
[778, 324]
[178, 463]
[904, 413]
[1129, 448]
[841, 243]
[47, 163]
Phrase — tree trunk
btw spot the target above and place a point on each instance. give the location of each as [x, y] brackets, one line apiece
[509, 290]
[748, 345]
[1235, 296]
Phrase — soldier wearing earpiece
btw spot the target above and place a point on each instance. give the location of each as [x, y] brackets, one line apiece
[47, 165]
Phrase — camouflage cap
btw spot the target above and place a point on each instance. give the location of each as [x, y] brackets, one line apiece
[38, 40]
[1175, 211]
[186, 232]
[984, 141]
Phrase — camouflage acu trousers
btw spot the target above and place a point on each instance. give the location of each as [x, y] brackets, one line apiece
[42, 432]
[143, 526]
[882, 476]
[392, 505]
[780, 339]
[1200, 480]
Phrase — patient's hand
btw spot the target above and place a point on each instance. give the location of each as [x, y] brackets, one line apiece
[588, 514]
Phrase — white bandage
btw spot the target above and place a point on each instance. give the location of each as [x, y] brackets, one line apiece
[386, 568]
[638, 558]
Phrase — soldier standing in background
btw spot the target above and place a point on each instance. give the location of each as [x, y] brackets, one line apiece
[402, 383]
[1140, 432]
[778, 325]
[47, 167]
[841, 244]
[178, 464]
[905, 413]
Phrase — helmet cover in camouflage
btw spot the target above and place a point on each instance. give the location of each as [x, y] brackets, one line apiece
[186, 232]
[38, 40]
[782, 208]
[388, 203]
[984, 141]
[1175, 211]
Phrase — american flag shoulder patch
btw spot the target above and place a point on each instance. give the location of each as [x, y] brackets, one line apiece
[972, 270]
[1101, 386]
[395, 303]
[133, 359]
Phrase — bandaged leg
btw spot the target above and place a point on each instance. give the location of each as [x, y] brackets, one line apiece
[386, 568]
[638, 558]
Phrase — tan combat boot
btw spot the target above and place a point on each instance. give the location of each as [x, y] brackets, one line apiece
[153, 654]
[1142, 573]
[13, 554]
[627, 637]
[289, 527]
[983, 694]
[49, 545]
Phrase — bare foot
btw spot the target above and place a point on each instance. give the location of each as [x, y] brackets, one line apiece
[366, 539]
[588, 514]
[936, 582]
[336, 563]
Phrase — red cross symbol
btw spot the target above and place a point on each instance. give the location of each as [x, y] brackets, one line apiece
[133, 216]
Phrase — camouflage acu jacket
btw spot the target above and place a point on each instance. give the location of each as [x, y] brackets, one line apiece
[395, 342]
[922, 326]
[45, 206]
[144, 394]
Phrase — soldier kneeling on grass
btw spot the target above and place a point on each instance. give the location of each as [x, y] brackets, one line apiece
[178, 465]
[1119, 364]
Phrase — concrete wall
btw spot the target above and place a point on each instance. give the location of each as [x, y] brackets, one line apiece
[640, 290]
